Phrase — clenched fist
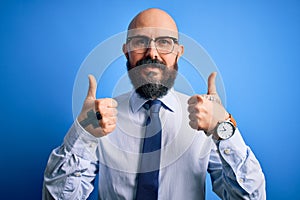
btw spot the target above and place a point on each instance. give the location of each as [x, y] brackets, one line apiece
[206, 110]
[107, 108]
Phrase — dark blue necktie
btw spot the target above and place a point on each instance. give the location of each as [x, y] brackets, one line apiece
[147, 185]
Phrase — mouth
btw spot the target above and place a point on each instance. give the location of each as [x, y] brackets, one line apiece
[151, 73]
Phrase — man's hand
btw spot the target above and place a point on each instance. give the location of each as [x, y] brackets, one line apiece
[106, 107]
[206, 110]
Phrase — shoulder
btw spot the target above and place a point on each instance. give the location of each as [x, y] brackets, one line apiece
[124, 102]
[181, 96]
[123, 97]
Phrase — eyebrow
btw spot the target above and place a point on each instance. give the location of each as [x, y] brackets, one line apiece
[150, 37]
[134, 36]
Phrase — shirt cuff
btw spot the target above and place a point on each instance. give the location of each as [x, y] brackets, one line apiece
[81, 143]
[233, 150]
[236, 154]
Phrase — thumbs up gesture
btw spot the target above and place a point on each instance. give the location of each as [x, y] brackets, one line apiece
[98, 116]
[206, 110]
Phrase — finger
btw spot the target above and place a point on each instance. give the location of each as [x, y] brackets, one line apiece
[112, 104]
[195, 99]
[92, 88]
[211, 83]
[108, 112]
[108, 128]
[191, 109]
[107, 102]
[108, 121]
[195, 108]
[192, 117]
[192, 100]
[194, 124]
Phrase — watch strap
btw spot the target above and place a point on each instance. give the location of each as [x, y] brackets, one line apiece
[232, 120]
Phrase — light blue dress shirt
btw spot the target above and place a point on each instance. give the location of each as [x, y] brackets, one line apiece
[186, 156]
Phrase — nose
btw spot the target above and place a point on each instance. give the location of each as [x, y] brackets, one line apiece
[152, 51]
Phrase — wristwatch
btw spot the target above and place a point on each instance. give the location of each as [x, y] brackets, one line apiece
[225, 129]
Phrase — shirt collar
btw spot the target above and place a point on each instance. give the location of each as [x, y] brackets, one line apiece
[169, 101]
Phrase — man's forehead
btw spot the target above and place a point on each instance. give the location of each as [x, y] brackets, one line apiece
[152, 32]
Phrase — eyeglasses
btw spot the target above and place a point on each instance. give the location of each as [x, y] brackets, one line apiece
[140, 44]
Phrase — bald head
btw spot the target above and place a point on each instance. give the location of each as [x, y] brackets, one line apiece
[153, 25]
[153, 17]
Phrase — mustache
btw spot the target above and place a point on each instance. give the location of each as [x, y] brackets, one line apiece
[152, 62]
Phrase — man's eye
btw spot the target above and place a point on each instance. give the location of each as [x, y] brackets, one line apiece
[164, 42]
[140, 42]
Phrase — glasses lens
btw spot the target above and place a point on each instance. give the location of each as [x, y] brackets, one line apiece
[164, 45]
[140, 44]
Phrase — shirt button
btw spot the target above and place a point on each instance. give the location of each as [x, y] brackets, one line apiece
[77, 174]
[227, 151]
[92, 145]
[241, 180]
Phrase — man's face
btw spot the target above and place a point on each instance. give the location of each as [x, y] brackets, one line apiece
[152, 55]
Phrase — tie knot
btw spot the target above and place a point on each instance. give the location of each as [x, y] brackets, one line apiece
[153, 105]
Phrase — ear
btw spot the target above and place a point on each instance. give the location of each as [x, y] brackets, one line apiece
[180, 51]
[124, 48]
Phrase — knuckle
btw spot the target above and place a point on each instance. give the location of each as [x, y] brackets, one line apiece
[105, 121]
[193, 124]
[190, 109]
[114, 103]
[111, 102]
[191, 100]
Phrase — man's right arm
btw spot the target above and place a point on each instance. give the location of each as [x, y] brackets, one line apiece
[72, 167]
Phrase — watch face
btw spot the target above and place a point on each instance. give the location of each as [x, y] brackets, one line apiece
[225, 130]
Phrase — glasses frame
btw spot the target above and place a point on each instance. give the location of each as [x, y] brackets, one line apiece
[175, 41]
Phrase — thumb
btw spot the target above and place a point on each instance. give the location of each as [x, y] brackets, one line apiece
[211, 83]
[92, 88]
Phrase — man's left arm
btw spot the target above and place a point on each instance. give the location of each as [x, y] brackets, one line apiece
[235, 172]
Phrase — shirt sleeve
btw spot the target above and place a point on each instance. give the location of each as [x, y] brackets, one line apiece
[72, 167]
[235, 172]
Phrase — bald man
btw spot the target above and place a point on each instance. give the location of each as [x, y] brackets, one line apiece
[153, 142]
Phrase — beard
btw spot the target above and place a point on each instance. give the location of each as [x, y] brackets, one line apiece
[147, 83]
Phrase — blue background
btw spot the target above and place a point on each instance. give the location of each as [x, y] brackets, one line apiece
[255, 45]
